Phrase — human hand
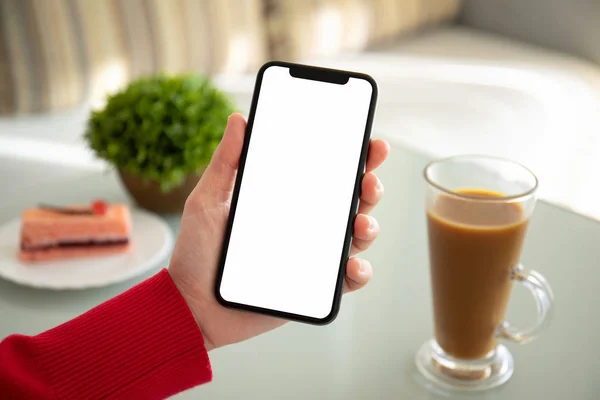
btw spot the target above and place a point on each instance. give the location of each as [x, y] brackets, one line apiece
[196, 256]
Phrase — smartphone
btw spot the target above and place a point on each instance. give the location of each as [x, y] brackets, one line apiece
[296, 193]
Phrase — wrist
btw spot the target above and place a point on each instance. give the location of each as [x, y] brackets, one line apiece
[191, 302]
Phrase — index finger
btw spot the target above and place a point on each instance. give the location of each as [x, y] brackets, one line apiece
[378, 152]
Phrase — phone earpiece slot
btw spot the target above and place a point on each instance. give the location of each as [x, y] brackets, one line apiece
[319, 74]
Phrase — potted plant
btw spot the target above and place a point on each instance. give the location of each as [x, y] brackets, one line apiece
[160, 133]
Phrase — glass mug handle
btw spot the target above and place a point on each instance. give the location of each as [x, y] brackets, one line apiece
[544, 298]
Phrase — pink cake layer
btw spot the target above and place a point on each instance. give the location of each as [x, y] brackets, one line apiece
[44, 227]
[61, 253]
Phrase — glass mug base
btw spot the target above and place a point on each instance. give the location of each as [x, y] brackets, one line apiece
[465, 375]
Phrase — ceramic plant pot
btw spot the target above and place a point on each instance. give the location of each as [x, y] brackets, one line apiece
[149, 196]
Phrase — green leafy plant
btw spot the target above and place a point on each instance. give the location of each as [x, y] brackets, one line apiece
[161, 128]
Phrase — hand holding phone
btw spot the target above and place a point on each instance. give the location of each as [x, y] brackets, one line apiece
[197, 253]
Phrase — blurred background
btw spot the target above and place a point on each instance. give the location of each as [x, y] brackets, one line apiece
[514, 78]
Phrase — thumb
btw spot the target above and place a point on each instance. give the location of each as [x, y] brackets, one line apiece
[219, 177]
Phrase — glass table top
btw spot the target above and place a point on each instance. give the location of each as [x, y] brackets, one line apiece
[368, 352]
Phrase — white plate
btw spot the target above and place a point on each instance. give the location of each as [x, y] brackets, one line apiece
[151, 237]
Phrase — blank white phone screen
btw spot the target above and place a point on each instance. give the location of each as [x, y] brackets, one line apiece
[296, 192]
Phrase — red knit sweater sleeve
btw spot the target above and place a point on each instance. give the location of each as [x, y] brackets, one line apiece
[142, 344]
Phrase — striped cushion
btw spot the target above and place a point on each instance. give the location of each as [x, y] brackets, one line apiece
[36, 73]
[303, 29]
[57, 53]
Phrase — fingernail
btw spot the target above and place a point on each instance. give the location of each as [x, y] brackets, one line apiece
[373, 225]
[361, 269]
[379, 186]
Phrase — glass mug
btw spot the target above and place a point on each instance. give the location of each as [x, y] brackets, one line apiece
[478, 208]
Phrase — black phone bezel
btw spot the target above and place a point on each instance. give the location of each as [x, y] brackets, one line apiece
[333, 76]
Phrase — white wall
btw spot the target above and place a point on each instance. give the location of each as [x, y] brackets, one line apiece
[572, 26]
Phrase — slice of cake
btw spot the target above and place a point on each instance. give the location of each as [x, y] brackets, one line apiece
[51, 233]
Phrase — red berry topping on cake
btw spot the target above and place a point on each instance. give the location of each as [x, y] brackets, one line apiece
[99, 207]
